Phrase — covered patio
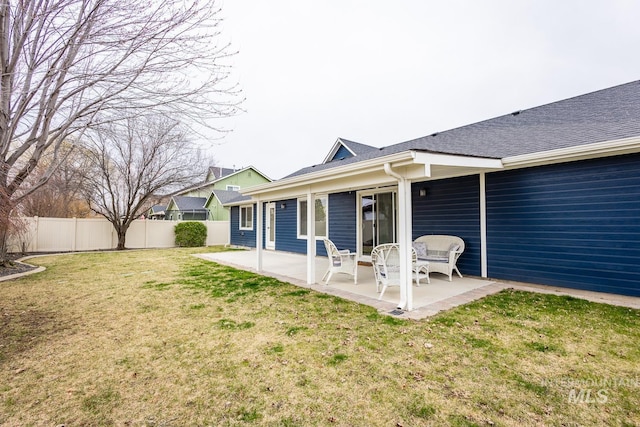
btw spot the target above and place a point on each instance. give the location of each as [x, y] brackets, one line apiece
[428, 299]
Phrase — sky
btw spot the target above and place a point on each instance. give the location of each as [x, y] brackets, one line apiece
[383, 72]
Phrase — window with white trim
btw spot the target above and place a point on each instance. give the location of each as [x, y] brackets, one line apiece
[233, 188]
[322, 214]
[246, 217]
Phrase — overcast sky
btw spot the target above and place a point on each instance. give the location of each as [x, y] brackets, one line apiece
[383, 72]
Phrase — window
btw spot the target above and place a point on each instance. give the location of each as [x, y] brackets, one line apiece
[233, 187]
[321, 217]
[246, 217]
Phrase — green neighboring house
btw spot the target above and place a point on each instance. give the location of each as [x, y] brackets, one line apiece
[222, 185]
[186, 208]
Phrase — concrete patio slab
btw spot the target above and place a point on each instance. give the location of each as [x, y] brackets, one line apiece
[428, 299]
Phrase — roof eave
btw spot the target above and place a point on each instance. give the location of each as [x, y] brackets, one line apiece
[411, 158]
[581, 152]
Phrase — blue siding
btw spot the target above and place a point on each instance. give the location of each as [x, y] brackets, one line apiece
[286, 227]
[575, 225]
[342, 220]
[342, 225]
[342, 153]
[241, 237]
[451, 206]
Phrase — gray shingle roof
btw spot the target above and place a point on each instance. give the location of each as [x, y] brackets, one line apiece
[238, 199]
[225, 196]
[187, 203]
[357, 147]
[604, 115]
[218, 172]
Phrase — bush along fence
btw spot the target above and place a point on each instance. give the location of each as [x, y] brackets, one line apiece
[87, 234]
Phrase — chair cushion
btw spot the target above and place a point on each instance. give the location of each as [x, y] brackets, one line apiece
[435, 258]
[421, 249]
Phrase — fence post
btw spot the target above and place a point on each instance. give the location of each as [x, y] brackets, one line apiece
[75, 234]
[37, 233]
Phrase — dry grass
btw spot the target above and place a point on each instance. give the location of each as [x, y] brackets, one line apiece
[160, 338]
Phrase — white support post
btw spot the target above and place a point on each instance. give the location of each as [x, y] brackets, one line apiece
[484, 271]
[404, 242]
[404, 238]
[311, 238]
[259, 213]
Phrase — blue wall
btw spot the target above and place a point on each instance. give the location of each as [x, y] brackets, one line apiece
[342, 225]
[241, 237]
[451, 206]
[342, 220]
[575, 225]
[287, 228]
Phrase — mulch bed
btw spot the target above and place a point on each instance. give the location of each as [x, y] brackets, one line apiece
[16, 267]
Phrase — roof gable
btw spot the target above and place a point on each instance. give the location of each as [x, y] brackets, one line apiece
[343, 149]
[227, 177]
[217, 172]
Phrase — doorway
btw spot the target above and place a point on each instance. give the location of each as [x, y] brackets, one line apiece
[270, 232]
[378, 223]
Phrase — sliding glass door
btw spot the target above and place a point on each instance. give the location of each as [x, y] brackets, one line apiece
[377, 220]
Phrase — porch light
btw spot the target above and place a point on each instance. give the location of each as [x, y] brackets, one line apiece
[283, 205]
[423, 192]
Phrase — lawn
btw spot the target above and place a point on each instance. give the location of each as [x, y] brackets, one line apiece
[161, 338]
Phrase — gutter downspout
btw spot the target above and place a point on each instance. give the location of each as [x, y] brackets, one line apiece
[404, 237]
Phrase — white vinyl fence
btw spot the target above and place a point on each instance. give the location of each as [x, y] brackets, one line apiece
[87, 234]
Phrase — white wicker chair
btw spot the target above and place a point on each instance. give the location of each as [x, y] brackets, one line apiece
[386, 266]
[340, 261]
[442, 253]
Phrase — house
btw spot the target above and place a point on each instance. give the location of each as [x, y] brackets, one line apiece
[156, 212]
[226, 179]
[187, 208]
[222, 185]
[547, 195]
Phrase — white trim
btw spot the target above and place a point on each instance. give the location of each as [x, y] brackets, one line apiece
[328, 173]
[259, 214]
[581, 152]
[415, 165]
[404, 237]
[311, 238]
[320, 197]
[483, 226]
[269, 208]
[240, 227]
[393, 189]
[334, 150]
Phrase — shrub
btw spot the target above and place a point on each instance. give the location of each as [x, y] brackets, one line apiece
[190, 234]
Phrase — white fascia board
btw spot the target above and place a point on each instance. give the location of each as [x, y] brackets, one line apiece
[412, 164]
[457, 161]
[337, 172]
[581, 152]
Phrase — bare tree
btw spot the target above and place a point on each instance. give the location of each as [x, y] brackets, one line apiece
[131, 161]
[70, 65]
[62, 196]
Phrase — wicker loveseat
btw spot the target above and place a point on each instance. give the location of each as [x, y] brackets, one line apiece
[441, 251]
